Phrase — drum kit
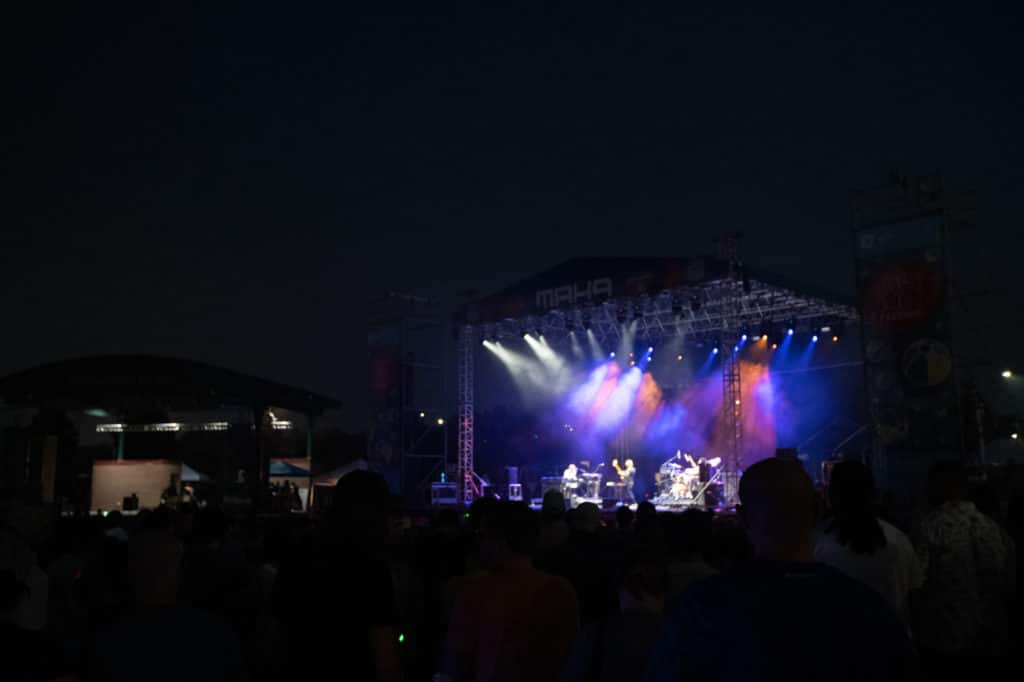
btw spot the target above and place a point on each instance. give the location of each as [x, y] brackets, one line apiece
[683, 481]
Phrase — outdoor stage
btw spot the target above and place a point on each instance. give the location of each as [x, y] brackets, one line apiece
[690, 369]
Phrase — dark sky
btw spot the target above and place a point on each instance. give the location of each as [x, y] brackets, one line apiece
[234, 183]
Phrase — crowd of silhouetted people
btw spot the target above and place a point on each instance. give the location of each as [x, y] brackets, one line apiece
[798, 584]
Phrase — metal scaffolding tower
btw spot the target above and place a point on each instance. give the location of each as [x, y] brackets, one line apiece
[409, 406]
[731, 418]
[732, 427]
[465, 349]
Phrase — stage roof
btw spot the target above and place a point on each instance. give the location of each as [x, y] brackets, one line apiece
[118, 382]
[666, 296]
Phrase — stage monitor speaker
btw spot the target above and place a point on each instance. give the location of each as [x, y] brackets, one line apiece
[443, 494]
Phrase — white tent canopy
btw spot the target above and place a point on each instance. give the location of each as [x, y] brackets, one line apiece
[331, 477]
[190, 475]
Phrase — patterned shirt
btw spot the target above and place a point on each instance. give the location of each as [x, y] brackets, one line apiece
[964, 559]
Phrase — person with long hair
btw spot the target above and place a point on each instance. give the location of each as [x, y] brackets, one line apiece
[863, 546]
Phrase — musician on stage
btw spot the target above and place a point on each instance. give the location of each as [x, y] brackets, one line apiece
[569, 482]
[706, 465]
[627, 476]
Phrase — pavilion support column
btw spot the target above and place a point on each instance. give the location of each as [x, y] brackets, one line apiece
[260, 472]
[309, 437]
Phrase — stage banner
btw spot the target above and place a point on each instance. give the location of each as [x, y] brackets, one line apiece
[909, 375]
[591, 281]
[385, 364]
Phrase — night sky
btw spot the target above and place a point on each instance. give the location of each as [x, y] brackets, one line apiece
[234, 184]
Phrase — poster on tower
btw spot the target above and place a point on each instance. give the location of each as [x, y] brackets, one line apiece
[909, 376]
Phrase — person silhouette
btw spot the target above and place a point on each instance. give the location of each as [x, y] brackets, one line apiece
[616, 647]
[967, 579]
[859, 544]
[780, 616]
[516, 623]
[343, 577]
[134, 647]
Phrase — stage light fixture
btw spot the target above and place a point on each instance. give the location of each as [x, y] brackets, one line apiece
[715, 350]
[1007, 374]
[789, 332]
[440, 421]
[423, 415]
[1014, 436]
[612, 354]
[743, 337]
[835, 338]
[736, 348]
[632, 363]
[650, 349]
[679, 357]
[814, 339]
[775, 346]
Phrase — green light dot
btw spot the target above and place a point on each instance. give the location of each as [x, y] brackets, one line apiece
[401, 638]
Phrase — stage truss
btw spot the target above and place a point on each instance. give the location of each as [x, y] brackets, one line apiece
[713, 312]
[701, 314]
[465, 348]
